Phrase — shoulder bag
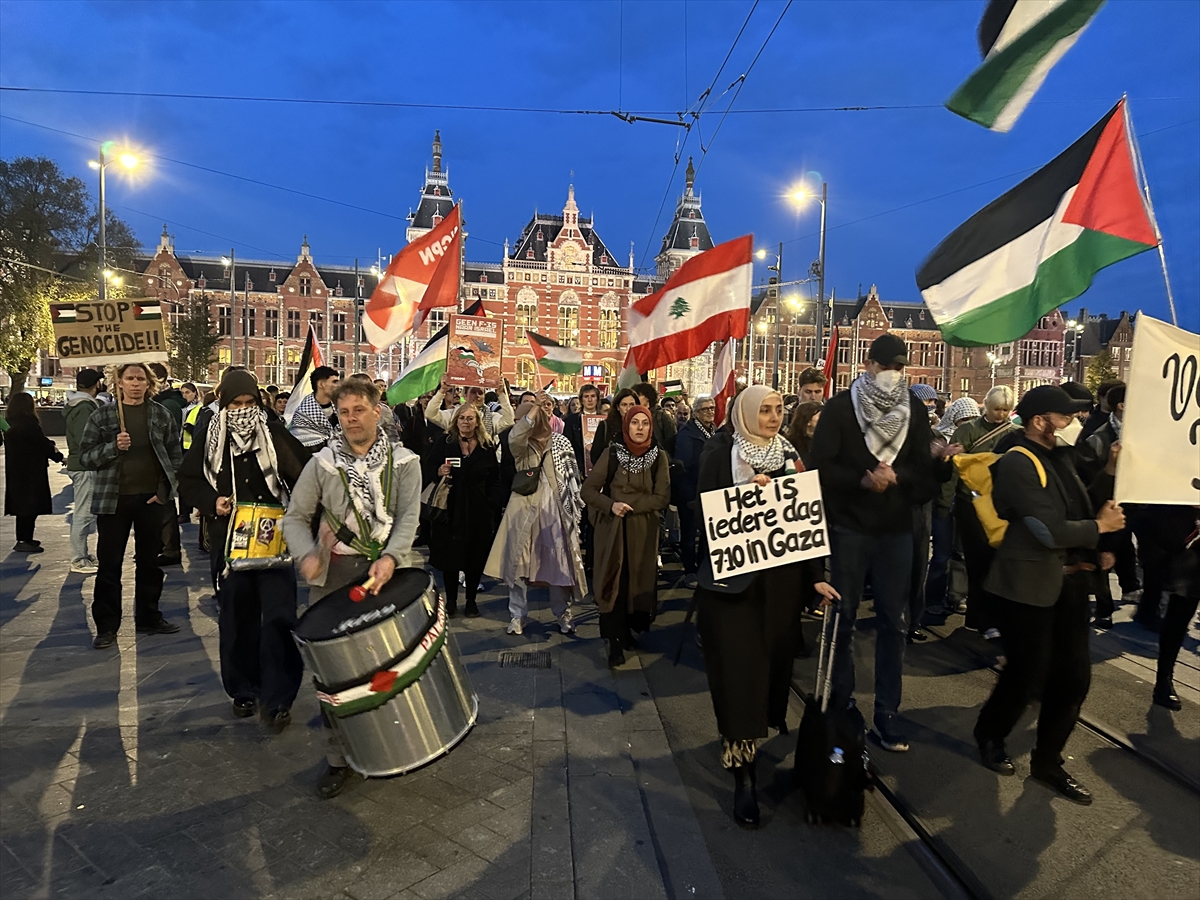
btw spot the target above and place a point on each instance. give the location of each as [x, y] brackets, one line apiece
[526, 481]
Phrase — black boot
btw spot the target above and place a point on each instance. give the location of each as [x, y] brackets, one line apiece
[616, 655]
[745, 802]
[472, 610]
[1164, 695]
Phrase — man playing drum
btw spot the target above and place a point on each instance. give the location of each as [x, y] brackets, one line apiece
[370, 492]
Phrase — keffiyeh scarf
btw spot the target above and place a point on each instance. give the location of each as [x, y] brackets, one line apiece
[566, 471]
[882, 415]
[311, 423]
[364, 483]
[634, 465]
[1116, 424]
[706, 430]
[768, 458]
[242, 431]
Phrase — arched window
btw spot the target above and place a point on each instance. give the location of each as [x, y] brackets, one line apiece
[527, 374]
[526, 311]
[610, 321]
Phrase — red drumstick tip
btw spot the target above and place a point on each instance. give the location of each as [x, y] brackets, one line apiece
[358, 593]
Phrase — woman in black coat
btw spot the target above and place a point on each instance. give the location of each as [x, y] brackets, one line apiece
[460, 538]
[26, 481]
[749, 624]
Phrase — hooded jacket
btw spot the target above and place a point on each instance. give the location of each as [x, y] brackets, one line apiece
[79, 408]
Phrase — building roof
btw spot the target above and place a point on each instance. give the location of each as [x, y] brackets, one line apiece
[688, 224]
[543, 229]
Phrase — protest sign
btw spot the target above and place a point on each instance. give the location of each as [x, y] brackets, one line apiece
[98, 333]
[1159, 460]
[750, 527]
[475, 351]
[590, 424]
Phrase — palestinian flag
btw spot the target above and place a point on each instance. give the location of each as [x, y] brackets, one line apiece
[145, 311]
[310, 361]
[553, 356]
[62, 313]
[1041, 244]
[424, 373]
[1021, 40]
[672, 388]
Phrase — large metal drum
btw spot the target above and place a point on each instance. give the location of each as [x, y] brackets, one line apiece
[387, 674]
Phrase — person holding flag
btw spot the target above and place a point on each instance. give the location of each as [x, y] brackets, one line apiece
[314, 421]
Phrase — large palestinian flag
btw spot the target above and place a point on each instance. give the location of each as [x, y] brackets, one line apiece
[1041, 244]
[1021, 40]
[553, 356]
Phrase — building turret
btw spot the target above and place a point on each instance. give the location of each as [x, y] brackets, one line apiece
[436, 197]
[688, 234]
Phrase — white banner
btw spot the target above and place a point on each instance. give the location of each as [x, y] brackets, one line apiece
[751, 527]
[1160, 459]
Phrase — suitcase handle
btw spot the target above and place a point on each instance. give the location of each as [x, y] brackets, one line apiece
[824, 669]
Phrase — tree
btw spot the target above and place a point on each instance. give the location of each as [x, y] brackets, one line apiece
[1100, 371]
[48, 253]
[193, 340]
[679, 308]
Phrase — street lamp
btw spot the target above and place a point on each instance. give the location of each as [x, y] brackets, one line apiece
[129, 161]
[992, 359]
[230, 262]
[1076, 331]
[800, 195]
[778, 270]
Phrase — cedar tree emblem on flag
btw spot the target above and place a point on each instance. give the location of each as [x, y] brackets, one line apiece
[680, 308]
[1041, 244]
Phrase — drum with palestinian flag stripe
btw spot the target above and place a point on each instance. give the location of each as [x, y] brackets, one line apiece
[387, 674]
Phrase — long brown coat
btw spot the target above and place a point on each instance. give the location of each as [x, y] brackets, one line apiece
[637, 532]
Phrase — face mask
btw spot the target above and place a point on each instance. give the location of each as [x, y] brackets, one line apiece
[1066, 437]
[888, 379]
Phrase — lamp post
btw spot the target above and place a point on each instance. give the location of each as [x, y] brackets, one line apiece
[818, 268]
[1075, 329]
[778, 270]
[230, 262]
[129, 161]
[992, 359]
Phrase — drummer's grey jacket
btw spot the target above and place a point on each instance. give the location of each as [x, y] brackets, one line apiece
[320, 485]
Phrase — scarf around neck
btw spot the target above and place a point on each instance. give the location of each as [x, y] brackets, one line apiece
[761, 453]
[1116, 424]
[882, 415]
[633, 449]
[243, 431]
[364, 484]
[635, 464]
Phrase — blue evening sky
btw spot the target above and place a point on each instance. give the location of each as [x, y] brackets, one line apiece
[899, 179]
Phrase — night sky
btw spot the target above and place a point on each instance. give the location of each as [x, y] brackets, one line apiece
[899, 179]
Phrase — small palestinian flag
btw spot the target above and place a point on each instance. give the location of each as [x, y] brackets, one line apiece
[554, 356]
[146, 311]
[1021, 40]
[62, 312]
[673, 388]
[1041, 244]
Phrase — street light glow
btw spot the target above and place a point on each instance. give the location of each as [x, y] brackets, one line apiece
[93, 164]
[761, 254]
[128, 160]
[225, 261]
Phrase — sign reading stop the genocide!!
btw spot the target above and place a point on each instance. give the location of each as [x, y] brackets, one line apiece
[752, 527]
[102, 332]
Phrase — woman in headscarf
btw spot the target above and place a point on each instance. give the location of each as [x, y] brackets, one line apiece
[460, 540]
[538, 539]
[749, 635]
[626, 490]
[242, 456]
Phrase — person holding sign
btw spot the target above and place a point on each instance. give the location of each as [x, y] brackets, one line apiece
[625, 492]
[239, 461]
[748, 623]
[133, 447]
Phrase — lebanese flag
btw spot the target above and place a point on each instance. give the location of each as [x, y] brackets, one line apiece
[830, 370]
[422, 276]
[554, 356]
[706, 301]
[1021, 40]
[1041, 244]
[310, 360]
[724, 386]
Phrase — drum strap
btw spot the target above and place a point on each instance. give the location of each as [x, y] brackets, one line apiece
[368, 547]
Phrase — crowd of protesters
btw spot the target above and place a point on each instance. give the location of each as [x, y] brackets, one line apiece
[577, 495]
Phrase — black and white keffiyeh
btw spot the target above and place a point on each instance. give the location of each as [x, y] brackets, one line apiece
[706, 430]
[242, 431]
[364, 478]
[635, 465]
[1115, 423]
[566, 471]
[764, 458]
[882, 415]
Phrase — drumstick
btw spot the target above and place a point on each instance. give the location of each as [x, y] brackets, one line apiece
[358, 593]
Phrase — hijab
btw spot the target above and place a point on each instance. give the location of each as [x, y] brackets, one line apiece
[636, 457]
[763, 453]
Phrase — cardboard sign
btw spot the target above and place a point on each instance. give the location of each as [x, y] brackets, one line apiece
[475, 351]
[751, 528]
[98, 333]
[590, 424]
[1159, 460]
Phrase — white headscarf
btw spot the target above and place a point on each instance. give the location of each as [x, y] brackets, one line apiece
[761, 452]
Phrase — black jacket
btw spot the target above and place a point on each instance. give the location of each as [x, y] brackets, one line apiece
[195, 491]
[840, 455]
[26, 481]
[689, 445]
[1048, 527]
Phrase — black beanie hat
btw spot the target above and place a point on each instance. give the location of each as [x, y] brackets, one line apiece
[237, 383]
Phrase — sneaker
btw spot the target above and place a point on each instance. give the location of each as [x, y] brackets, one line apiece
[104, 639]
[84, 567]
[162, 626]
[917, 635]
[332, 780]
[515, 627]
[991, 634]
[566, 623]
[889, 738]
[462, 579]
[28, 547]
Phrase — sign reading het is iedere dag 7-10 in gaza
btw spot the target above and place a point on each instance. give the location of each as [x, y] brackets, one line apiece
[101, 332]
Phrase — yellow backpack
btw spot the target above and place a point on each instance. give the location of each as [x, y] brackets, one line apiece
[975, 470]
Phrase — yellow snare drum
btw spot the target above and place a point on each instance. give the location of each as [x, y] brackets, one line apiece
[255, 538]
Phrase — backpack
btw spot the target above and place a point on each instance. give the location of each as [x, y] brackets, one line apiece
[975, 470]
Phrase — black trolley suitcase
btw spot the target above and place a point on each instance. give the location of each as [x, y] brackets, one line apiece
[831, 748]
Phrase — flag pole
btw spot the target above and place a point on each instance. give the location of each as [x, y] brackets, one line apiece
[1162, 256]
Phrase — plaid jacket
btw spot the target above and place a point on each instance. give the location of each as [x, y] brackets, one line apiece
[98, 452]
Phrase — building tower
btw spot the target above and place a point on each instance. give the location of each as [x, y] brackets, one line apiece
[436, 197]
[688, 234]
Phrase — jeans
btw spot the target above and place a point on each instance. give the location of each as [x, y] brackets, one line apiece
[259, 658]
[884, 557]
[83, 520]
[922, 531]
[937, 581]
[146, 521]
[1048, 658]
[518, 600]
